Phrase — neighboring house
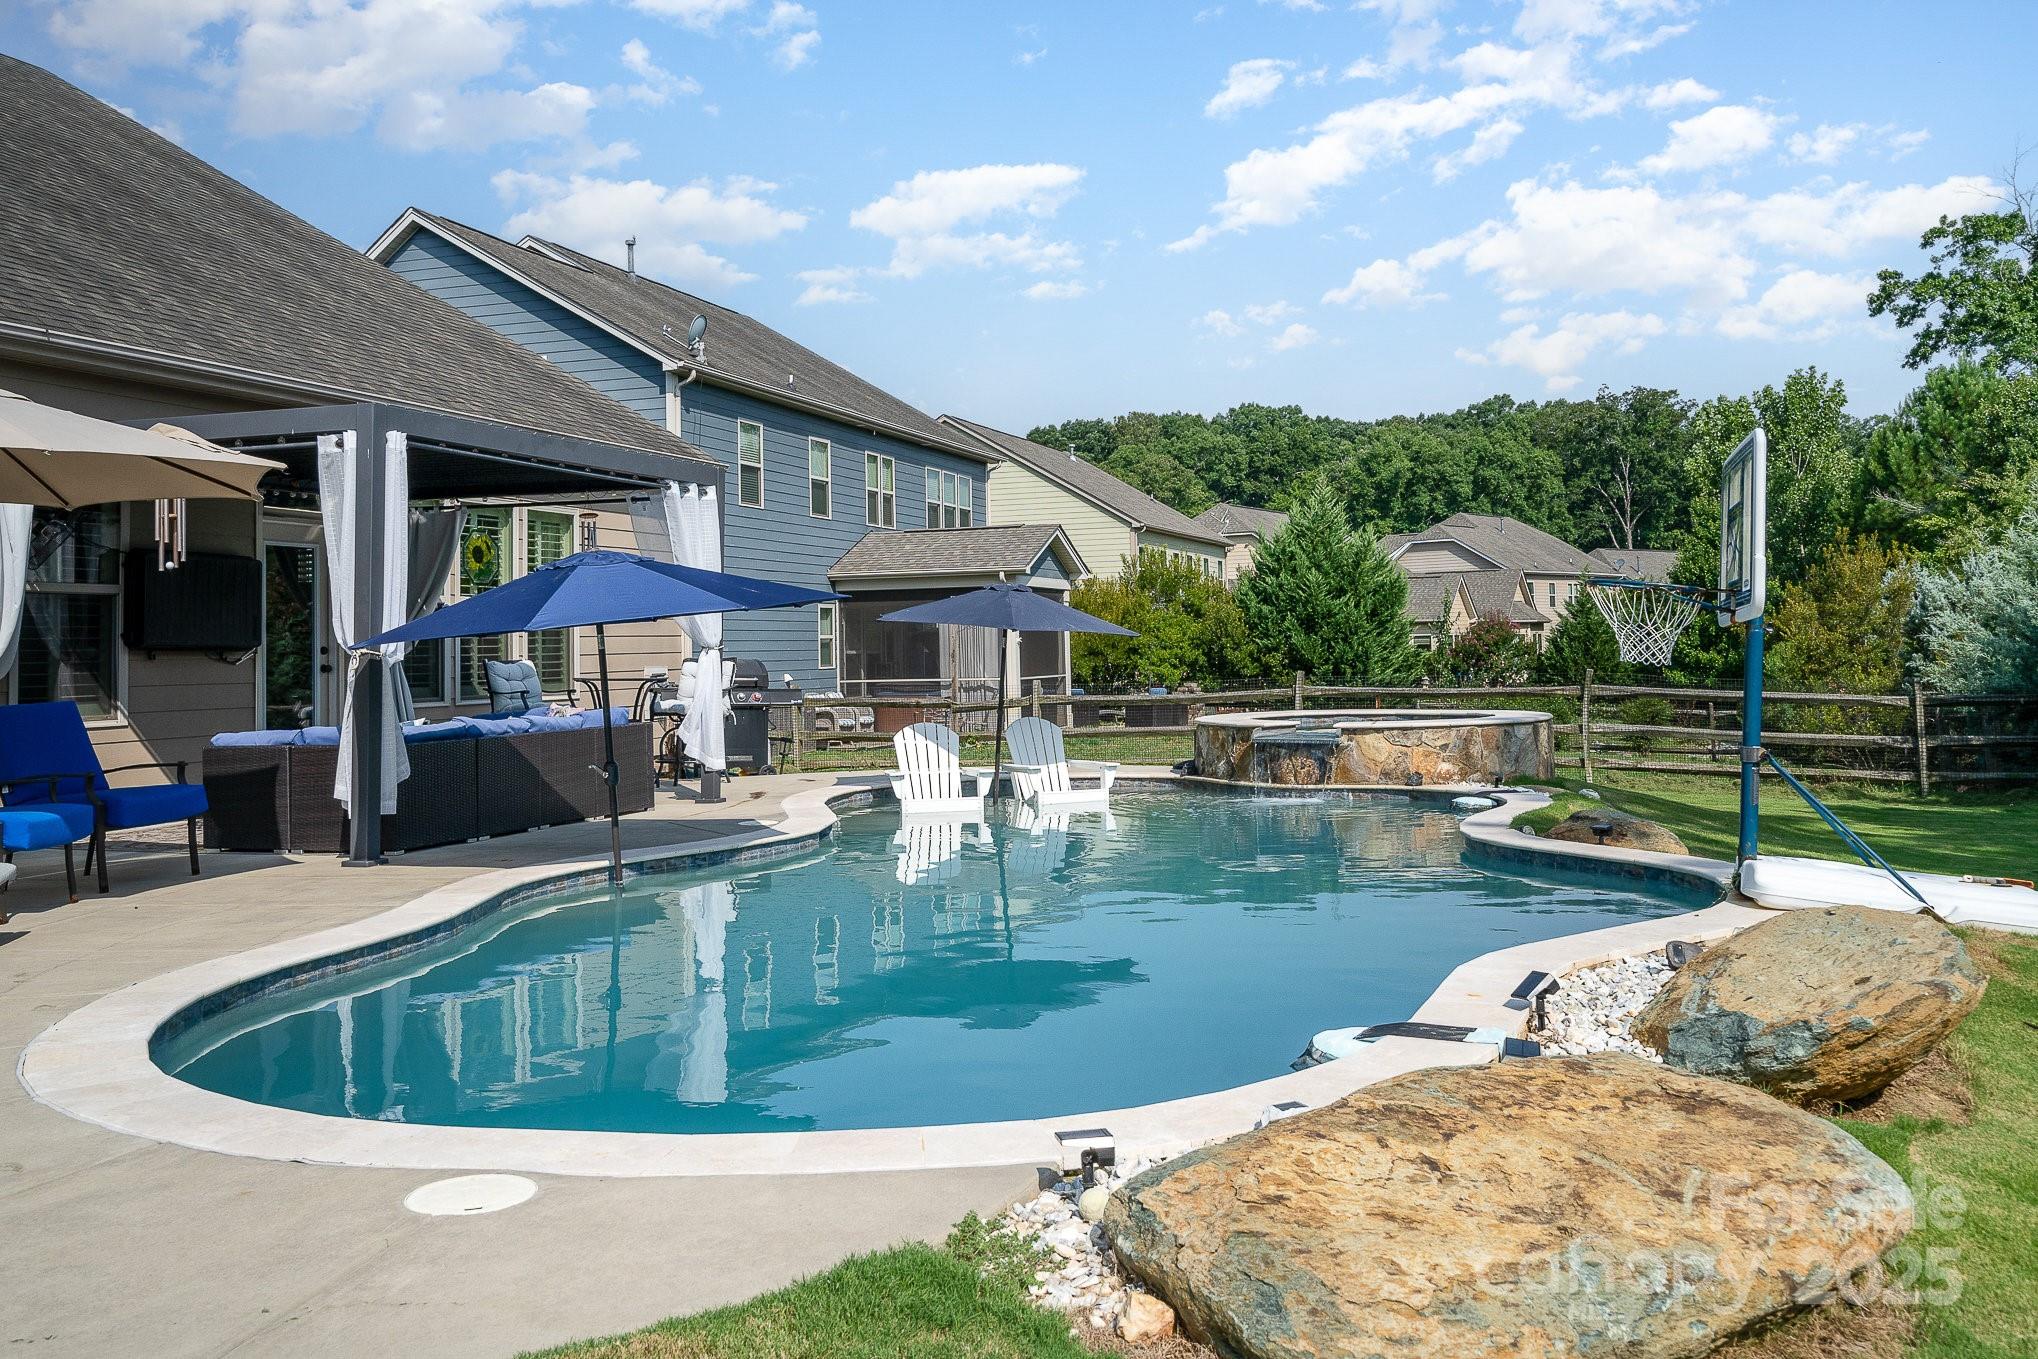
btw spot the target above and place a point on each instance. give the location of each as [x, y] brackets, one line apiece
[1108, 520]
[1440, 607]
[1244, 528]
[1635, 563]
[143, 284]
[1544, 570]
[815, 457]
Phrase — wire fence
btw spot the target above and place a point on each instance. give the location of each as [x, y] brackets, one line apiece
[1917, 738]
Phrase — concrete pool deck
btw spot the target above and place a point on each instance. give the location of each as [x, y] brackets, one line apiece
[122, 1245]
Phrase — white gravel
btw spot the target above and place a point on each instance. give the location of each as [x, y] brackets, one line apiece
[1593, 1009]
[1084, 1280]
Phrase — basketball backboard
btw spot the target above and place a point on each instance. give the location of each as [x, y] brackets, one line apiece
[1744, 531]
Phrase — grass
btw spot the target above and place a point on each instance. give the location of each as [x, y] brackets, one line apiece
[1993, 833]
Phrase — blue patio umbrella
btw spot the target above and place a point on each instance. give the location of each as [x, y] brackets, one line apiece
[1008, 607]
[593, 589]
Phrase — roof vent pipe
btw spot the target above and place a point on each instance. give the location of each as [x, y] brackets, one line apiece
[630, 256]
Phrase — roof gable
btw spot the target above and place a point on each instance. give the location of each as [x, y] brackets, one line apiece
[1242, 521]
[1119, 499]
[738, 351]
[118, 239]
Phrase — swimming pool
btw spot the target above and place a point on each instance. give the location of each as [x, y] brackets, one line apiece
[897, 976]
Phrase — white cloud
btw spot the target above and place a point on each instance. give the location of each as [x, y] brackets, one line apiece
[1220, 322]
[701, 15]
[1556, 355]
[1383, 283]
[795, 30]
[1590, 241]
[829, 286]
[670, 223]
[425, 120]
[1621, 26]
[1295, 336]
[1048, 290]
[1488, 143]
[1029, 57]
[1722, 135]
[1248, 84]
[655, 85]
[1310, 6]
[1801, 305]
[1271, 313]
[1825, 143]
[1678, 92]
[939, 200]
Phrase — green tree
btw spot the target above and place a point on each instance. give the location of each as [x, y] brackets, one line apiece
[1325, 600]
[1975, 624]
[1490, 652]
[1582, 640]
[1189, 625]
[1841, 628]
[1979, 299]
[1153, 469]
[1955, 463]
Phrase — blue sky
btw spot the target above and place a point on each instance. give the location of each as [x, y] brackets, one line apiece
[1028, 213]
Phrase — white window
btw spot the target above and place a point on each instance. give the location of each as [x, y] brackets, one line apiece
[880, 491]
[750, 463]
[933, 498]
[820, 475]
[951, 500]
[825, 650]
[71, 615]
[548, 536]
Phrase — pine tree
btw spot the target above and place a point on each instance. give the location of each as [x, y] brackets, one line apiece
[1976, 624]
[1324, 600]
[1582, 640]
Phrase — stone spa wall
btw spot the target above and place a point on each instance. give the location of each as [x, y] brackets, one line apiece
[1399, 747]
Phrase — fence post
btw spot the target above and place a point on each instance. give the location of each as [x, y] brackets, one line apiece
[1298, 691]
[1918, 738]
[1585, 723]
[1036, 698]
[799, 729]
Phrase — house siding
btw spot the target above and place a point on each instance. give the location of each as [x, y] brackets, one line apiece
[1431, 559]
[1020, 495]
[782, 540]
[1209, 553]
[617, 370]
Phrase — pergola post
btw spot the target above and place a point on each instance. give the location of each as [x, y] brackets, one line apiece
[364, 831]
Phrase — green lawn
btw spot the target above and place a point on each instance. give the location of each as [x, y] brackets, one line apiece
[1993, 834]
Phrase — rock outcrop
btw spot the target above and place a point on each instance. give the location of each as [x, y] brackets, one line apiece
[1627, 832]
[1815, 1005]
[1556, 1206]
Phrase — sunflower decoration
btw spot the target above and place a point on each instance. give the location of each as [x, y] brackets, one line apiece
[481, 559]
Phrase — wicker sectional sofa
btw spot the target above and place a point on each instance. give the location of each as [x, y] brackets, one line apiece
[279, 797]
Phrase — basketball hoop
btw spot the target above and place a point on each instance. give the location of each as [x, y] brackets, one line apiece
[1647, 616]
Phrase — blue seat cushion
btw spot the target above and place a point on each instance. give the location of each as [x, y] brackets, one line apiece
[437, 731]
[317, 736]
[493, 726]
[152, 805]
[286, 737]
[46, 827]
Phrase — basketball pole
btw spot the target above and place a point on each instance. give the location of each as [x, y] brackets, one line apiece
[1751, 740]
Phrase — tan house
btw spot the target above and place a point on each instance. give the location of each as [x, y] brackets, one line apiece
[1244, 528]
[1522, 572]
[1107, 520]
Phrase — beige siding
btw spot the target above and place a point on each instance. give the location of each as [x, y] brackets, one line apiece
[109, 398]
[1167, 542]
[1019, 495]
[1432, 559]
[1238, 559]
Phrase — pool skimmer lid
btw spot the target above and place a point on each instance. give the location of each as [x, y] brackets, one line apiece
[467, 1195]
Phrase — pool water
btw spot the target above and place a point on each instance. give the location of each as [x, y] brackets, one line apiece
[1185, 943]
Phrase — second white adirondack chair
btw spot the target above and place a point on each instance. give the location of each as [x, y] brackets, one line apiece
[1040, 767]
[930, 778]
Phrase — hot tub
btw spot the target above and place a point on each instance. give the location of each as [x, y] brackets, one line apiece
[1375, 747]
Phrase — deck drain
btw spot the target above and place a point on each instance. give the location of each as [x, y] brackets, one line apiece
[467, 1194]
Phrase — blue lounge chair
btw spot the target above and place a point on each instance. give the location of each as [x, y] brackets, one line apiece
[48, 825]
[46, 757]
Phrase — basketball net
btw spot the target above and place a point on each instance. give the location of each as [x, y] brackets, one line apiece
[1646, 621]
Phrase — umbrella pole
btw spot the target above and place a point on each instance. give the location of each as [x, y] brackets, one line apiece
[610, 775]
[998, 741]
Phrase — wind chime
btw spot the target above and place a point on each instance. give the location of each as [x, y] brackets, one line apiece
[170, 545]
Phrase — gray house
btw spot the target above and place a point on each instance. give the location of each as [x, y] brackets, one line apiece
[816, 459]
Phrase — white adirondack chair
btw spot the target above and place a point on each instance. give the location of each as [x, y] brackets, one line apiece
[930, 777]
[1040, 767]
[931, 851]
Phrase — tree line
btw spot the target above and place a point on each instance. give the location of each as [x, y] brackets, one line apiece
[1900, 545]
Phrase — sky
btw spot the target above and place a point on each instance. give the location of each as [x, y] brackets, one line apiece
[1031, 212]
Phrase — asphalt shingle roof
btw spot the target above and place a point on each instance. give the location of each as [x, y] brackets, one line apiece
[656, 315]
[1644, 563]
[1498, 592]
[1237, 521]
[115, 235]
[1429, 598]
[1508, 543]
[984, 550]
[1092, 483]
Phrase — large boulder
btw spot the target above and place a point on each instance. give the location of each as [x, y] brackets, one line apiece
[1597, 1206]
[1816, 1005]
[1627, 832]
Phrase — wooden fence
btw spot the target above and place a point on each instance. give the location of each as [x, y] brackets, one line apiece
[1916, 738]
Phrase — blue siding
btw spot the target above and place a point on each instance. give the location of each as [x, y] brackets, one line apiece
[616, 370]
[782, 540]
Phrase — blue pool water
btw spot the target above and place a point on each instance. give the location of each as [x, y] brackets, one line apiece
[890, 978]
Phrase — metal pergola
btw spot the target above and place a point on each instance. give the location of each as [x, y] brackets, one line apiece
[451, 457]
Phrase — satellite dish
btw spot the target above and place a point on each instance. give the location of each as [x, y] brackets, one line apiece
[698, 330]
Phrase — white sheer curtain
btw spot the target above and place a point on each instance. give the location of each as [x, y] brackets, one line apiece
[16, 523]
[339, 496]
[693, 525]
